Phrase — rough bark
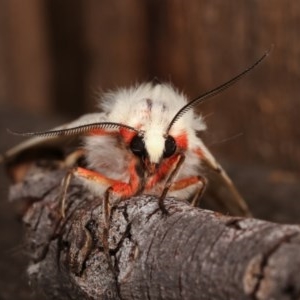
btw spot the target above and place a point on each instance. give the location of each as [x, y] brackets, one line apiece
[188, 254]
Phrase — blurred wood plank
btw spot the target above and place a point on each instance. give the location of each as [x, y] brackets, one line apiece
[58, 53]
[26, 55]
[116, 45]
[66, 34]
[203, 44]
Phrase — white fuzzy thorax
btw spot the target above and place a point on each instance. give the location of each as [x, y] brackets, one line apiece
[149, 108]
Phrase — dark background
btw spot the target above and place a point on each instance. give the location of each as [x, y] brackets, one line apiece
[55, 56]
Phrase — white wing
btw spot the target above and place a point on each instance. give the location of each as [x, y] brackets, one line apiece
[220, 187]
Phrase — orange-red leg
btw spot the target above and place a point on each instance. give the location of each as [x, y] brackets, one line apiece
[83, 173]
[64, 189]
[184, 183]
[106, 211]
[70, 161]
[122, 189]
[168, 184]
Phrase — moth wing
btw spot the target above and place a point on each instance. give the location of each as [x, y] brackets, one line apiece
[56, 141]
[221, 189]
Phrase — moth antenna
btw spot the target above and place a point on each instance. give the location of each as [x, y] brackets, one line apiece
[217, 90]
[74, 130]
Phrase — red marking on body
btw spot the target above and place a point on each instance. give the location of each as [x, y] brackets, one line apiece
[182, 141]
[95, 176]
[127, 134]
[132, 187]
[121, 188]
[100, 131]
[163, 170]
[184, 183]
[199, 152]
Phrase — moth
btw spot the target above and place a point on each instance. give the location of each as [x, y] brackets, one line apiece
[145, 141]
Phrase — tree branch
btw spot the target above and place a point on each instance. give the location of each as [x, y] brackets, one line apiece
[188, 254]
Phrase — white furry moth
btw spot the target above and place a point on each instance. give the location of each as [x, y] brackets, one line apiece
[145, 141]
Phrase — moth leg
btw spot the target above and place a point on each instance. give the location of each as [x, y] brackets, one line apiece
[64, 189]
[106, 208]
[186, 182]
[71, 159]
[122, 189]
[169, 182]
[69, 162]
[97, 178]
[221, 188]
[199, 192]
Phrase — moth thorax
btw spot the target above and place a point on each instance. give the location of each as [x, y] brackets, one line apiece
[154, 143]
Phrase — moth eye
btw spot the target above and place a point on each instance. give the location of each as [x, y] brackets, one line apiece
[170, 146]
[137, 146]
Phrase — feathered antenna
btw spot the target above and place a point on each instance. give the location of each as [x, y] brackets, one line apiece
[216, 90]
[75, 130]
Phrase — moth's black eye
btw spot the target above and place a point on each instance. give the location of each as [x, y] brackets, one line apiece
[170, 147]
[137, 146]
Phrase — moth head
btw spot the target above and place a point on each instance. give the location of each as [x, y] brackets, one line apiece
[152, 147]
[156, 143]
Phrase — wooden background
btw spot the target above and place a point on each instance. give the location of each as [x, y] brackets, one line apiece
[56, 55]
